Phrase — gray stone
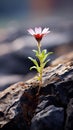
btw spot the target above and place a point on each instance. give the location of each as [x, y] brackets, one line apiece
[50, 118]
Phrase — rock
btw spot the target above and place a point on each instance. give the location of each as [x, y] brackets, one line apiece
[64, 89]
[10, 109]
[45, 101]
[28, 103]
[22, 108]
[50, 118]
[69, 119]
[17, 123]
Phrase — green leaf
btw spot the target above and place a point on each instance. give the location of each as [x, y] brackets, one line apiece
[46, 55]
[45, 62]
[49, 53]
[43, 55]
[44, 51]
[33, 60]
[33, 67]
[36, 64]
[35, 51]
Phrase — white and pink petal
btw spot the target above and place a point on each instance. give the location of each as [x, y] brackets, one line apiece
[45, 30]
[31, 31]
[38, 30]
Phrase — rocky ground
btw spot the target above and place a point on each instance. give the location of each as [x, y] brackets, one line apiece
[51, 109]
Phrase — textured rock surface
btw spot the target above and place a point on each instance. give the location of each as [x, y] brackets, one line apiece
[50, 118]
[9, 104]
[22, 108]
[69, 119]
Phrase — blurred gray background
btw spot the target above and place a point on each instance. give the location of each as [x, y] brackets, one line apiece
[16, 16]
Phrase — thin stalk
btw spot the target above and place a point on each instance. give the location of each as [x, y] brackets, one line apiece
[39, 47]
[41, 69]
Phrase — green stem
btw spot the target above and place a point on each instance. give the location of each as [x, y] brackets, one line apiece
[39, 47]
[41, 69]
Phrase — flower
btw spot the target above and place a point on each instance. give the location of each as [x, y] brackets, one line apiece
[38, 33]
